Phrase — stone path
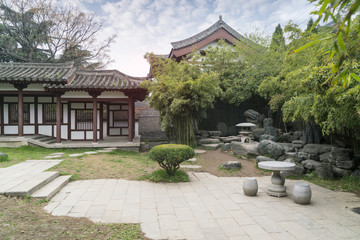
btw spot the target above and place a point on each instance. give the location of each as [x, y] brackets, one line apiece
[210, 207]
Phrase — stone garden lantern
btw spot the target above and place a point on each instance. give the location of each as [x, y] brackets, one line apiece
[245, 131]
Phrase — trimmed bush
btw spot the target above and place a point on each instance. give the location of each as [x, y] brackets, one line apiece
[3, 157]
[169, 156]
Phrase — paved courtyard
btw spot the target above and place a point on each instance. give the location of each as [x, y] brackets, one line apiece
[210, 207]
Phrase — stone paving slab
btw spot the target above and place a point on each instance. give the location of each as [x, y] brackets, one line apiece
[210, 207]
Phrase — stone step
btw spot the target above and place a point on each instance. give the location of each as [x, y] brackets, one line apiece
[53, 187]
[33, 184]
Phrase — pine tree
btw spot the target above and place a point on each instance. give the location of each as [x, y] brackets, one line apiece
[278, 39]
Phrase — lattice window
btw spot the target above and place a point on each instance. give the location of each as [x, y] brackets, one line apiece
[49, 113]
[120, 118]
[84, 119]
[14, 113]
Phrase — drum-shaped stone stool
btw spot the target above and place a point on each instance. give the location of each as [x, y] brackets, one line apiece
[302, 193]
[250, 186]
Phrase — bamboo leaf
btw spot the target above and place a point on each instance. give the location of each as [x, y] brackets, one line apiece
[341, 43]
[356, 77]
[306, 46]
[324, 5]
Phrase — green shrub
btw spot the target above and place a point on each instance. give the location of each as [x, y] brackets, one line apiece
[160, 175]
[169, 156]
[4, 158]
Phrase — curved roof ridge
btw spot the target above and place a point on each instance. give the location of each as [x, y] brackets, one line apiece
[207, 32]
[38, 64]
[112, 72]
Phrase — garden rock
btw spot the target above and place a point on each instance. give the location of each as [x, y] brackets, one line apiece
[267, 137]
[225, 147]
[212, 146]
[286, 138]
[297, 135]
[258, 132]
[232, 130]
[214, 133]
[339, 172]
[342, 157]
[253, 116]
[325, 157]
[3, 154]
[223, 128]
[231, 165]
[310, 164]
[317, 149]
[268, 147]
[297, 144]
[356, 173]
[324, 171]
[263, 159]
[287, 146]
[230, 139]
[199, 151]
[289, 160]
[208, 141]
[244, 148]
[271, 131]
[312, 134]
[268, 122]
[297, 171]
[203, 133]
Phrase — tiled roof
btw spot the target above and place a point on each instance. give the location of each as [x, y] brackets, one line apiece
[206, 33]
[36, 72]
[100, 79]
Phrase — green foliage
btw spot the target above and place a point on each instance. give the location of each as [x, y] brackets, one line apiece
[169, 156]
[41, 31]
[4, 158]
[182, 93]
[162, 176]
[278, 39]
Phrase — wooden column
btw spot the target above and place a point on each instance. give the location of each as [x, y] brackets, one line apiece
[20, 87]
[58, 117]
[95, 94]
[101, 121]
[131, 121]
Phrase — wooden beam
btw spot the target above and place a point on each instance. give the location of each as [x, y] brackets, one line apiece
[58, 118]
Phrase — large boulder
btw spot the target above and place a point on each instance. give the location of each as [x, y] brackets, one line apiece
[271, 131]
[342, 157]
[356, 173]
[214, 133]
[223, 128]
[212, 146]
[203, 133]
[325, 157]
[268, 122]
[253, 116]
[244, 148]
[339, 172]
[267, 137]
[225, 147]
[263, 159]
[286, 138]
[324, 171]
[232, 130]
[296, 172]
[258, 132]
[268, 147]
[310, 164]
[230, 139]
[312, 134]
[317, 149]
[287, 146]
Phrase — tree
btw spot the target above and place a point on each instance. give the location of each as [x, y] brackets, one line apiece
[37, 31]
[181, 92]
[278, 39]
[310, 28]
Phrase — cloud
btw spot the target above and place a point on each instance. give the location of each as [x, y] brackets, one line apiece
[151, 25]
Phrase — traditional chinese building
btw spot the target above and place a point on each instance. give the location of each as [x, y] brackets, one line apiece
[59, 101]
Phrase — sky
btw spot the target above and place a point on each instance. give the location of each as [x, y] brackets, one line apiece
[144, 26]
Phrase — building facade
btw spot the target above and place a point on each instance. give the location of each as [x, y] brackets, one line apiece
[59, 101]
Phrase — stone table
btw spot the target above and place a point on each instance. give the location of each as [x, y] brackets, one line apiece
[277, 187]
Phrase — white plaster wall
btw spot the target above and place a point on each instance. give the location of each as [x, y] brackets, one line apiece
[104, 129]
[40, 113]
[125, 131]
[64, 132]
[136, 128]
[45, 130]
[89, 135]
[6, 114]
[77, 135]
[32, 113]
[114, 131]
[29, 129]
[10, 129]
[65, 113]
[98, 120]
[72, 119]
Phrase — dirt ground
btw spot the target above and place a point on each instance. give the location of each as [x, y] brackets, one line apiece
[22, 219]
[211, 160]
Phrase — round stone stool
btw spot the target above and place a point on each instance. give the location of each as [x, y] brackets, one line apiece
[250, 186]
[302, 193]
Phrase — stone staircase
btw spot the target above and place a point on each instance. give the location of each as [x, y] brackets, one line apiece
[29, 179]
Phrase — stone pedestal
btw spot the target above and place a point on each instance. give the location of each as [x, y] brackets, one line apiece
[302, 193]
[250, 186]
